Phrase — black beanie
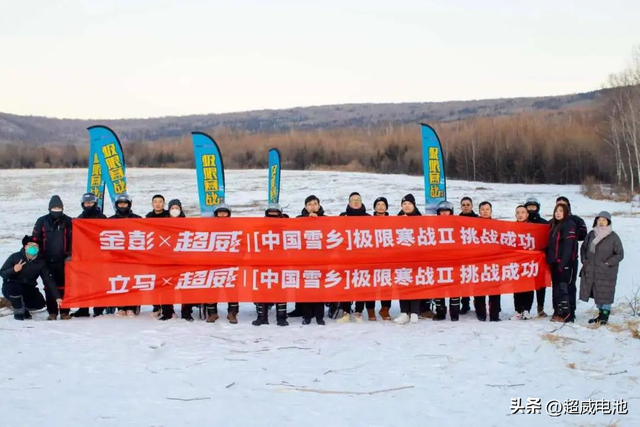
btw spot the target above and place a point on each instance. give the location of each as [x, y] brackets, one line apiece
[311, 198]
[563, 199]
[175, 202]
[383, 200]
[409, 198]
[29, 239]
[55, 202]
[355, 193]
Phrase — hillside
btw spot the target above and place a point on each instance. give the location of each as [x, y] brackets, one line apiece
[48, 131]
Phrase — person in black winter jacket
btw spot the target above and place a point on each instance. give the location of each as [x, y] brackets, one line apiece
[233, 308]
[533, 207]
[20, 273]
[409, 309]
[262, 309]
[479, 302]
[157, 202]
[445, 209]
[90, 210]
[581, 234]
[54, 232]
[124, 210]
[523, 301]
[466, 209]
[312, 209]
[167, 311]
[561, 255]
[381, 209]
[355, 207]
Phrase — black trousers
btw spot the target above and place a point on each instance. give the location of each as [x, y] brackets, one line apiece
[523, 301]
[312, 309]
[466, 302]
[540, 297]
[346, 307]
[370, 305]
[564, 293]
[57, 272]
[410, 306]
[480, 304]
[23, 297]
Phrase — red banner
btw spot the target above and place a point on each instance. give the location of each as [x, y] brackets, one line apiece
[180, 260]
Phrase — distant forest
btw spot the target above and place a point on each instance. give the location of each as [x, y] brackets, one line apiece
[550, 147]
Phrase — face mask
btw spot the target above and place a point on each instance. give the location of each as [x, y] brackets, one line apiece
[175, 213]
[32, 251]
[56, 214]
[123, 211]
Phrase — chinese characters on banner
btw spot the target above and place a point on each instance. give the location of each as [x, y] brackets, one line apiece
[168, 261]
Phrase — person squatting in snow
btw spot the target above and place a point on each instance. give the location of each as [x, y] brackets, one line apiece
[44, 253]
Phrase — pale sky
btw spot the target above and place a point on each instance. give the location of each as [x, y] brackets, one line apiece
[146, 58]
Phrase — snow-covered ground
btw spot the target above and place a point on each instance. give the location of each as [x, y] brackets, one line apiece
[142, 372]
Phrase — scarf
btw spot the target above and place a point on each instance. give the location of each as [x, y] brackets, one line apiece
[601, 233]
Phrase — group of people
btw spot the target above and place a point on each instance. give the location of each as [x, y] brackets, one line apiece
[45, 251]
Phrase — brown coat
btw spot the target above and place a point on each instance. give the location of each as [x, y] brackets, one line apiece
[600, 269]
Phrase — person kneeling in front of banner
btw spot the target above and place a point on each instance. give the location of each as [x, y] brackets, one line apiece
[409, 309]
[20, 274]
[90, 210]
[273, 211]
[445, 209]
[312, 209]
[222, 211]
[479, 302]
[124, 205]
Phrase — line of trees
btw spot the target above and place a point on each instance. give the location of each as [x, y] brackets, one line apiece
[553, 147]
[621, 117]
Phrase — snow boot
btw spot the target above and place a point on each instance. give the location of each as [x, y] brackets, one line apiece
[441, 310]
[320, 321]
[306, 320]
[232, 317]
[346, 318]
[52, 316]
[282, 321]
[465, 305]
[371, 314]
[384, 313]
[212, 315]
[263, 315]
[403, 319]
[18, 315]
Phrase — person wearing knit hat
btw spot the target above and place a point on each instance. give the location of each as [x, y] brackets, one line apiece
[20, 274]
[601, 254]
[175, 209]
[409, 207]
[381, 207]
[409, 308]
[54, 231]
